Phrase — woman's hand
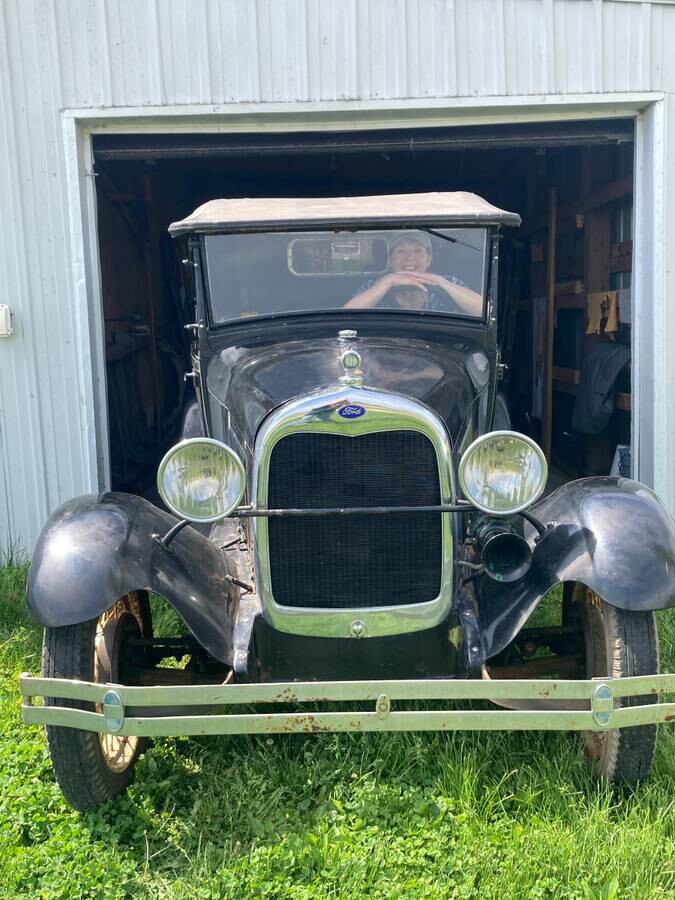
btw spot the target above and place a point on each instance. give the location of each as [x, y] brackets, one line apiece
[374, 294]
[420, 279]
[406, 279]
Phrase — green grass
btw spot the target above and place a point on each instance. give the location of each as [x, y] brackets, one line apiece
[411, 815]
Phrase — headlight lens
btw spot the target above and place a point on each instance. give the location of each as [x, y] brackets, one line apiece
[503, 472]
[201, 480]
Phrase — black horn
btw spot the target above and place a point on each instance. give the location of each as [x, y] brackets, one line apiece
[505, 555]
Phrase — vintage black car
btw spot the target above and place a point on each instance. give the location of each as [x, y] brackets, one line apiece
[351, 519]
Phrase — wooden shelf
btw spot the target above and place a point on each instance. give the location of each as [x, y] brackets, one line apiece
[623, 401]
[573, 287]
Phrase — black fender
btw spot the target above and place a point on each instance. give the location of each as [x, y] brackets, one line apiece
[94, 549]
[612, 534]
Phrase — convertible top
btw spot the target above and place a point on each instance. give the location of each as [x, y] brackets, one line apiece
[438, 208]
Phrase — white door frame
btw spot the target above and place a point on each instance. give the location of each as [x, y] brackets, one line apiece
[653, 444]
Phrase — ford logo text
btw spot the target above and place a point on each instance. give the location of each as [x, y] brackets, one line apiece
[351, 412]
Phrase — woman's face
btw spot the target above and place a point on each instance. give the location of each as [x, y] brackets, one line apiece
[409, 255]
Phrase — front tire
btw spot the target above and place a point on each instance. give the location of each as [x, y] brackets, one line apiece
[618, 644]
[91, 768]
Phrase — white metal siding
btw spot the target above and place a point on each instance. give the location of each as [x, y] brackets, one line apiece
[40, 412]
[177, 52]
[78, 54]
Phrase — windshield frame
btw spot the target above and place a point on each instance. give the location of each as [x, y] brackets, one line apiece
[487, 316]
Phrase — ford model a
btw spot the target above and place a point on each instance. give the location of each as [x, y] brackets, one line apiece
[351, 518]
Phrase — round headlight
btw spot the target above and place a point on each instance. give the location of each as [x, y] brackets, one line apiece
[201, 480]
[503, 472]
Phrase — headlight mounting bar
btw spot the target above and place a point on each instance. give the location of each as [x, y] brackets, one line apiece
[249, 512]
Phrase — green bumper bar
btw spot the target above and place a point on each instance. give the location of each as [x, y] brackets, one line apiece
[590, 705]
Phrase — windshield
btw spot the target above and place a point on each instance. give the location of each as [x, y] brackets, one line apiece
[436, 270]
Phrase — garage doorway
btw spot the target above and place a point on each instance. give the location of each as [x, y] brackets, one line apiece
[571, 183]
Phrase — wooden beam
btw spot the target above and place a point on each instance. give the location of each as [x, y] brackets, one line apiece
[570, 301]
[549, 323]
[608, 193]
[621, 264]
[597, 249]
[622, 248]
[571, 376]
[152, 267]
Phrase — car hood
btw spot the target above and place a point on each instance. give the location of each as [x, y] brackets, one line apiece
[244, 383]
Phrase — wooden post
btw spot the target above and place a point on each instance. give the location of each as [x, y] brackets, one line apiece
[152, 263]
[549, 324]
[598, 448]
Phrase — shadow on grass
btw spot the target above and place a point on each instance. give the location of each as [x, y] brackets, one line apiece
[239, 791]
[331, 815]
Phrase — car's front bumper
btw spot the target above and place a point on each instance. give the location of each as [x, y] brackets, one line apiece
[588, 705]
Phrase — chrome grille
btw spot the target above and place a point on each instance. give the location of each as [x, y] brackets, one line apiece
[338, 562]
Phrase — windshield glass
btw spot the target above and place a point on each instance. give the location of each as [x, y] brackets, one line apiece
[436, 270]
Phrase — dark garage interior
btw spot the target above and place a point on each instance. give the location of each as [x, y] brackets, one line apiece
[565, 274]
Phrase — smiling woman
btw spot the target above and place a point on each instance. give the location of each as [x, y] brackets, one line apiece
[409, 283]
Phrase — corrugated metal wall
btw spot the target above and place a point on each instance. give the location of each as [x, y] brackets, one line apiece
[154, 52]
[66, 54]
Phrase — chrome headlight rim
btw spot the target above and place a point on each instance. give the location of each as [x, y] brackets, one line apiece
[191, 442]
[491, 435]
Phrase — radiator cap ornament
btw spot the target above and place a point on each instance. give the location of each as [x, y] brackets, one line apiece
[350, 360]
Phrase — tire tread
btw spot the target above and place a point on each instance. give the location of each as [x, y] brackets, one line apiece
[80, 770]
[633, 649]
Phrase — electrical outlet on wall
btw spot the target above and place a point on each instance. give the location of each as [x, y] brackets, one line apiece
[6, 329]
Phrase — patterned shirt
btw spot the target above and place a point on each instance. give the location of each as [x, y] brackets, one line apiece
[437, 300]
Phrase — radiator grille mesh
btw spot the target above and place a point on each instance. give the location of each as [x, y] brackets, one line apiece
[354, 561]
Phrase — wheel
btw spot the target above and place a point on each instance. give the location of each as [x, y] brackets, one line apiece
[618, 644]
[92, 768]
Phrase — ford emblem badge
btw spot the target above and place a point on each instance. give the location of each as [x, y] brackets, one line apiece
[351, 412]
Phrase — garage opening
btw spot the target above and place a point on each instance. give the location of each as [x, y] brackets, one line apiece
[565, 274]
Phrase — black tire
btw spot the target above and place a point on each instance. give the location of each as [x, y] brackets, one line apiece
[87, 770]
[618, 644]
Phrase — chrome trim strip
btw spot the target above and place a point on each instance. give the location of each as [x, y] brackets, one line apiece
[318, 412]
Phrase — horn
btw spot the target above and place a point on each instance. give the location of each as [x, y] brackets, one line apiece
[506, 556]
